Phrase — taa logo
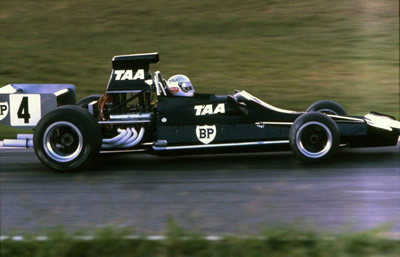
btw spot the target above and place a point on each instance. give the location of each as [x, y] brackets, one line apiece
[206, 134]
[129, 74]
[208, 109]
[3, 110]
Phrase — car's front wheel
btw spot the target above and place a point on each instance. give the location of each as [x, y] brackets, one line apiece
[314, 137]
[67, 138]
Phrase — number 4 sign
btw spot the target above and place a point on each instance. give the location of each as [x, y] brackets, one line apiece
[24, 110]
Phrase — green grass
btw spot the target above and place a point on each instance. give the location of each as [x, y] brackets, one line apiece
[289, 53]
[281, 242]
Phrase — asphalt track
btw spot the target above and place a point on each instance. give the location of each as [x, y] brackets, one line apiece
[216, 194]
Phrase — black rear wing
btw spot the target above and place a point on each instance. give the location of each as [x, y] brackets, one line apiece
[131, 73]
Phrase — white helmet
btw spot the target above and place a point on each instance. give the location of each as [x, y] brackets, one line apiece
[180, 85]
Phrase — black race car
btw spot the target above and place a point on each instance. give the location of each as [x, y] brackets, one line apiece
[144, 113]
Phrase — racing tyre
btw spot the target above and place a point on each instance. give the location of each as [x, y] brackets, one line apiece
[327, 107]
[67, 138]
[87, 100]
[314, 137]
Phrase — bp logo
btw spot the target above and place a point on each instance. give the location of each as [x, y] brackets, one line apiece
[3, 110]
[206, 134]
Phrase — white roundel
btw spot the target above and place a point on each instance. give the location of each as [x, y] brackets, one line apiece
[180, 85]
[206, 134]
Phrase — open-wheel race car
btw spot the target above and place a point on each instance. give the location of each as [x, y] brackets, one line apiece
[144, 113]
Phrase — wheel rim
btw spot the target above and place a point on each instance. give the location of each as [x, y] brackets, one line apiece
[62, 141]
[328, 111]
[314, 139]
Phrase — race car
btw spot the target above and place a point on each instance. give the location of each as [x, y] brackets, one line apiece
[140, 112]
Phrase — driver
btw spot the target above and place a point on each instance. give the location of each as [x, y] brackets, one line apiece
[180, 85]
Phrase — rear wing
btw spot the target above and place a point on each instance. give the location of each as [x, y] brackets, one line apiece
[23, 105]
[131, 73]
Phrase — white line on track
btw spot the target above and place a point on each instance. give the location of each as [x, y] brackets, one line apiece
[372, 192]
[385, 235]
[88, 238]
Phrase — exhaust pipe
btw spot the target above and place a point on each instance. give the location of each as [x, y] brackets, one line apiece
[22, 141]
[126, 138]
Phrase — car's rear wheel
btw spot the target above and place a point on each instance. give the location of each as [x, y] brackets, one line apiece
[314, 137]
[84, 102]
[67, 138]
[327, 107]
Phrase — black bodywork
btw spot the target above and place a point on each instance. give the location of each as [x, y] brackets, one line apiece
[236, 122]
[248, 121]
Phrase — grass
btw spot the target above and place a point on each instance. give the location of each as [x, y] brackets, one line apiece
[289, 53]
[178, 242]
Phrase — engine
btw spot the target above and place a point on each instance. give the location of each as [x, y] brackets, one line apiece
[126, 110]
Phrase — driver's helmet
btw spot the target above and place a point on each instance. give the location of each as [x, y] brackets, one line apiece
[180, 85]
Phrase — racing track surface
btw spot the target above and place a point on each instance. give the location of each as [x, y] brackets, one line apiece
[212, 194]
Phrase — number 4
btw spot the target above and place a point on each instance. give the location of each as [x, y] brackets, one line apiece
[23, 110]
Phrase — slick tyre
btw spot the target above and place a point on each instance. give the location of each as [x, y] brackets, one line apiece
[327, 107]
[67, 138]
[314, 137]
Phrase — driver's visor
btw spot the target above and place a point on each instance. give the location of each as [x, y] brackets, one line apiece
[185, 86]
